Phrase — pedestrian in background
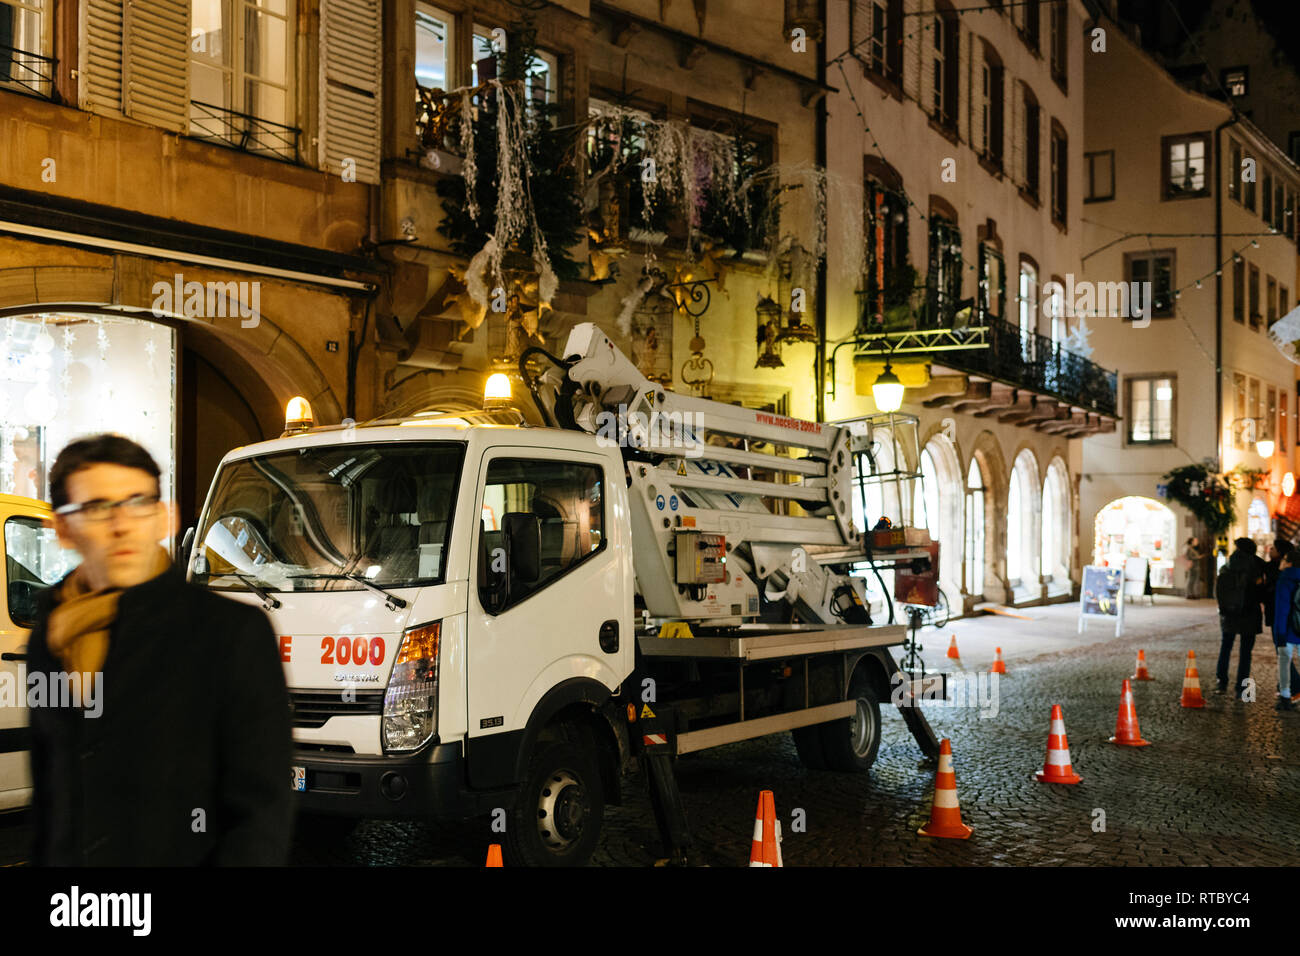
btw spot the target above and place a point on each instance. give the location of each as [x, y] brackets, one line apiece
[186, 758]
[1279, 549]
[1239, 590]
[1286, 635]
[1195, 558]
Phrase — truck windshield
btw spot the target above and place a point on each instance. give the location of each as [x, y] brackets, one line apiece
[319, 518]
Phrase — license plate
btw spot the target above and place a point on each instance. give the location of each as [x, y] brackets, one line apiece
[300, 779]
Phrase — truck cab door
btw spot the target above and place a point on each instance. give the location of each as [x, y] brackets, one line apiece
[552, 597]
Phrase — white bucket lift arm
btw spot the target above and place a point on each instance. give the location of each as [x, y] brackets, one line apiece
[711, 488]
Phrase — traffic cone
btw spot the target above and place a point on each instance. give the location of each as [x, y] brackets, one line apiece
[1142, 672]
[494, 855]
[766, 848]
[1057, 769]
[998, 666]
[1126, 724]
[1192, 684]
[945, 813]
[954, 655]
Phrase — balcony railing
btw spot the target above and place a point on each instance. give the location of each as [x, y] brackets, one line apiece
[25, 71]
[971, 340]
[1033, 361]
[243, 131]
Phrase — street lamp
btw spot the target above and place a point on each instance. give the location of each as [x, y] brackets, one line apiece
[887, 390]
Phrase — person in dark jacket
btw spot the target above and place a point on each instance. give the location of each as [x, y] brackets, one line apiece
[1243, 577]
[1284, 638]
[171, 743]
[1276, 552]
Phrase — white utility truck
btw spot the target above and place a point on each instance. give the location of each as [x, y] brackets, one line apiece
[476, 615]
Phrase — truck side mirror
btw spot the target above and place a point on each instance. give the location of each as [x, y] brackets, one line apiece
[523, 534]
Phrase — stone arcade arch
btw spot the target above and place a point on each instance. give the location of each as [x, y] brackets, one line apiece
[1024, 503]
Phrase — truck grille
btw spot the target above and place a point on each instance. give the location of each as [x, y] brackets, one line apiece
[311, 708]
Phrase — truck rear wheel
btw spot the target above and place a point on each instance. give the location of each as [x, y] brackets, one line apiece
[808, 743]
[850, 744]
[556, 820]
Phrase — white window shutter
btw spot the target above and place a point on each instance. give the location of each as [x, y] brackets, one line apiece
[156, 68]
[101, 56]
[351, 69]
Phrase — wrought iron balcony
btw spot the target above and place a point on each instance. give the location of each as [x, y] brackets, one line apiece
[26, 72]
[1032, 361]
[243, 131]
[925, 320]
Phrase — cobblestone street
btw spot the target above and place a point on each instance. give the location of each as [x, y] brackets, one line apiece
[1217, 787]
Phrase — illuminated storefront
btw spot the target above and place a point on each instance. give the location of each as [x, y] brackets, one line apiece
[1137, 527]
[67, 375]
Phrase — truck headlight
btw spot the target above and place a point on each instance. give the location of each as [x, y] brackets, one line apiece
[411, 701]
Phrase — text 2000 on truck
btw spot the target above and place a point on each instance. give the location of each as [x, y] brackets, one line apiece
[475, 615]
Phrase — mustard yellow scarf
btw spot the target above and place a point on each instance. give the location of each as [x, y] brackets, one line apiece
[82, 618]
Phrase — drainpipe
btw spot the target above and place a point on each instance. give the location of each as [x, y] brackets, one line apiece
[819, 359]
[1218, 289]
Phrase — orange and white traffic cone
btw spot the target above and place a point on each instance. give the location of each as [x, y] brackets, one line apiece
[998, 666]
[766, 848]
[954, 655]
[494, 855]
[1142, 672]
[1126, 724]
[1192, 684]
[945, 813]
[1057, 769]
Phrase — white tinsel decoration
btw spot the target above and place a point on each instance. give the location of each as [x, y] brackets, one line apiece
[469, 168]
[630, 304]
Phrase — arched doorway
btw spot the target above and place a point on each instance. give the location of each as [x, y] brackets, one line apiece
[939, 508]
[1023, 504]
[1137, 527]
[1055, 549]
[973, 544]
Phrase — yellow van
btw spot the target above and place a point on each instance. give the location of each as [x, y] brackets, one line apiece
[33, 560]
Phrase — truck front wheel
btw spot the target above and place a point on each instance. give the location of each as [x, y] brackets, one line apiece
[850, 744]
[556, 820]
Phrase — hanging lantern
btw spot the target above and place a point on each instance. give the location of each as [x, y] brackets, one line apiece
[887, 390]
[769, 333]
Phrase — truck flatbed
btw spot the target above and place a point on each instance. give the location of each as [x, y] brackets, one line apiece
[756, 642]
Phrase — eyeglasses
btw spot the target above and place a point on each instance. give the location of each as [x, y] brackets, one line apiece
[99, 510]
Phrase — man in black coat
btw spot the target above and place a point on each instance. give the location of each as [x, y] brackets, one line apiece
[1240, 593]
[164, 738]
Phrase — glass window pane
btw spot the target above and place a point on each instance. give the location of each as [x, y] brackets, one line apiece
[265, 49]
[208, 30]
[433, 46]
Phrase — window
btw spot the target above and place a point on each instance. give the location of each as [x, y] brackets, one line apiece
[1028, 311]
[1255, 317]
[992, 108]
[889, 279]
[1056, 312]
[1031, 144]
[1234, 170]
[1279, 202]
[24, 40]
[1283, 301]
[974, 566]
[1293, 145]
[1288, 214]
[1239, 434]
[1185, 162]
[877, 25]
[1282, 426]
[1235, 80]
[1270, 299]
[943, 70]
[992, 282]
[945, 268]
[1154, 272]
[435, 39]
[542, 82]
[1060, 173]
[35, 561]
[1239, 291]
[1270, 415]
[1059, 41]
[1150, 410]
[1027, 20]
[566, 501]
[1099, 167]
[1267, 211]
[241, 64]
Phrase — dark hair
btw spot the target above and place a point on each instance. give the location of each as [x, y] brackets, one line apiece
[1284, 548]
[106, 449]
[1244, 544]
